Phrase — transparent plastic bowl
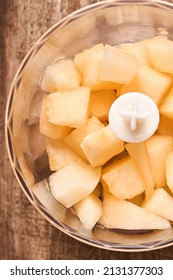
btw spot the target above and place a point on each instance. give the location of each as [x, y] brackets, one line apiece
[111, 22]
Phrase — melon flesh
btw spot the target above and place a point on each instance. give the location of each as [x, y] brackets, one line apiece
[74, 139]
[160, 51]
[100, 103]
[121, 214]
[123, 179]
[149, 82]
[73, 182]
[158, 148]
[139, 155]
[69, 108]
[161, 204]
[89, 210]
[169, 171]
[166, 107]
[49, 129]
[101, 145]
[61, 75]
[60, 155]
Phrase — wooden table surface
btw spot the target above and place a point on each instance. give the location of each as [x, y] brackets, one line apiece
[24, 233]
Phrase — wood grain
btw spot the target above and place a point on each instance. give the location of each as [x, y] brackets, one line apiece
[24, 233]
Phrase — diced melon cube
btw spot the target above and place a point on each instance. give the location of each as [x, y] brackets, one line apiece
[158, 149]
[60, 155]
[123, 179]
[49, 129]
[69, 108]
[121, 214]
[161, 204]
[166, 108]
[149, 82]
[139, 51]
[98, 190]
[161, 52]
[93, 59]
[117, 66]
[139, 155]
[165, 126]
[137, 200]
[61, 75]
[79, 61]
[73, 182]
[101, 145]
[89, 210]
[169, 170]
[100, 103]
[74, 139]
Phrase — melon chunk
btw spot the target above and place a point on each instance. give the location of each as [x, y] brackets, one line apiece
[92, 64]
[49, 129]
[61, 75]
[139, 51]
[149, 82]
[158, 149]
[169, 170]
[89, 210]
[60, 155]
[139, 155]
[69, 108]
[161, 204]
[118, 66]
[100, 103]
[166, 108]
[123, 179]
[165, 126]
[73, 182]
[160, 51]
[79, 61]
[101, 145]
[74, 139]
[121, 214]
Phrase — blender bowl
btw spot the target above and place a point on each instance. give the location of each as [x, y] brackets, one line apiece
[107, 22]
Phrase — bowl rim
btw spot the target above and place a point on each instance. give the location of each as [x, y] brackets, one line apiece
[8, 126]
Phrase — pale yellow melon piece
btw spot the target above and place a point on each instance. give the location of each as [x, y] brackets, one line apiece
[74, 139]
[100, 103]
[121, 214]
[139, 155]
[165, 126]
[101, 145]
[158, 149]
[139, 51]
[60, 155]
[89, 210]
[118, 66]
[138, 200]
[98, 190]
[161, 204]
[123, 179]
[61, 75]
[49, 129]
[93, 60]
[166, 108]
[69, 108]
[79, 61]
[73, 182]
[161, 52]
[169, 170]
[79, 58]
[105, 189]
[149, 82]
